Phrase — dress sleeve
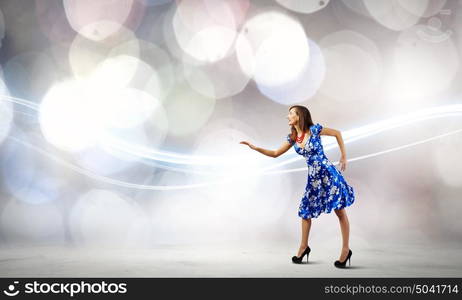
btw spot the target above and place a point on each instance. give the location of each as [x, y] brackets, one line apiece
[289, 140]
[317, 129]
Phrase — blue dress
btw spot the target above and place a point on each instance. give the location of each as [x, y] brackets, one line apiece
[326, 189]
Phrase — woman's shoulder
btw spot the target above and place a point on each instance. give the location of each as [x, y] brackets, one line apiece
[289, 139]
[316, 128]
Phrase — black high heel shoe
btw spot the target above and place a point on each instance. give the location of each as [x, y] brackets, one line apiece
[340, 264]
[298, 260]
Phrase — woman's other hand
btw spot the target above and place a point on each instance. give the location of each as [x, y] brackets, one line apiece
[248, 144]
[343, 163]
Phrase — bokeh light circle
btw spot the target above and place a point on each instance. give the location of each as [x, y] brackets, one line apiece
[396, 15]
[69, 117]
[305, 86]
[204, 30]
[306, 7]
[85, 55]
[272, 48]
[97, 20]
[212, 80]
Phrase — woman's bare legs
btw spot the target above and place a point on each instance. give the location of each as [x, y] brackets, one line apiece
[345, 228]
[306, 225]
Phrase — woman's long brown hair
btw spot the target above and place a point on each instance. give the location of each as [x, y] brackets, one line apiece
[305, 121]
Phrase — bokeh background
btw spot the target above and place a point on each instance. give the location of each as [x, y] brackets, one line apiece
[120, 121]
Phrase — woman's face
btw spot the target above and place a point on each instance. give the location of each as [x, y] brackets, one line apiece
[292, 117]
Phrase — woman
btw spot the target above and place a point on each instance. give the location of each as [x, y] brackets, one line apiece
[326, 189]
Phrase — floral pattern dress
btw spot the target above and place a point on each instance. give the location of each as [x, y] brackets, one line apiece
[326, 189]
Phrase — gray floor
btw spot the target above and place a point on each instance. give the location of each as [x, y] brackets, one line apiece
[230, 260]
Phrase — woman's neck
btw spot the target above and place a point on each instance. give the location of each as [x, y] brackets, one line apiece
[298, 129]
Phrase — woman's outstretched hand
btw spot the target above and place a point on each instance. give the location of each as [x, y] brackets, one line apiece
[248, 144]
[343, 163]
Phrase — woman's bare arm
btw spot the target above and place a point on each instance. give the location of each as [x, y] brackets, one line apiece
[338, 136]
[271, 153]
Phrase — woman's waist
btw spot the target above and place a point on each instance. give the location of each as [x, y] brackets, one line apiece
[315, 156]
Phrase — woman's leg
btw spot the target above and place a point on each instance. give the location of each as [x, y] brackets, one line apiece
[306, 225]
[345, 228]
